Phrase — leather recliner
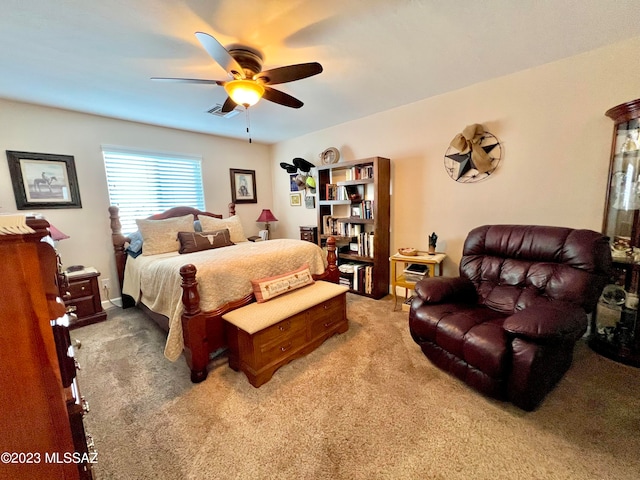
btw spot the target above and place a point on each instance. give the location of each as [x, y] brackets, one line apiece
[507, 326]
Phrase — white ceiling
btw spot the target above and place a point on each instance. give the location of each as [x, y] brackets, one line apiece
[97, 56]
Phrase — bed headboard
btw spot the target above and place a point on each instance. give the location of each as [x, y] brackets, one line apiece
[119, 240]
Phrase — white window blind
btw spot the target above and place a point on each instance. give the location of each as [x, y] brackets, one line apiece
[145, 183]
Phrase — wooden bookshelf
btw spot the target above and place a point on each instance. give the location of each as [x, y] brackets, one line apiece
[360, 186]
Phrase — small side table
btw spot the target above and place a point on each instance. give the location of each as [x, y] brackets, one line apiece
[398, 279]
[83, 293]
[309, 233]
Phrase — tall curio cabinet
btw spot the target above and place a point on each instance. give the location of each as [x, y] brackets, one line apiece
[615, 330]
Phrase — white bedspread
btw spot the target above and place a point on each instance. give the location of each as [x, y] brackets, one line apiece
[223, 274]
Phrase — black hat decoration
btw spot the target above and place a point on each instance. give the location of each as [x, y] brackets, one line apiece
[303, 165]
[288, 167]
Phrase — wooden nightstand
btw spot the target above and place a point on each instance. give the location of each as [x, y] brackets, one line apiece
[83, 293]
[309, 233]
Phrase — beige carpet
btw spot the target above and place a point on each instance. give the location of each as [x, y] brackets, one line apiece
[366, 405]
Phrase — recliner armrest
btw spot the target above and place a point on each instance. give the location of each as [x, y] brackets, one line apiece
[555, 321]
[446, 289]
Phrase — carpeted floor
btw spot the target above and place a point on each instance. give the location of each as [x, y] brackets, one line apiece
[366, 405]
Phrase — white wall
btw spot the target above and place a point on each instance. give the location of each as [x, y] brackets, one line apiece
[556, 141]
[39, 129]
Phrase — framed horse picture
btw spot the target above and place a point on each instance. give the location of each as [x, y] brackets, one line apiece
[43, 180]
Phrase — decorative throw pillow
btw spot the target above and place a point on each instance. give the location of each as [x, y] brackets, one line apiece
[161, 236]
[195, 241]
[232, 223]
[267, 288]
[135, 244]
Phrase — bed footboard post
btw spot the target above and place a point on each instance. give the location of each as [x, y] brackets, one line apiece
[332, 272]
[193, 326]
[118, 240]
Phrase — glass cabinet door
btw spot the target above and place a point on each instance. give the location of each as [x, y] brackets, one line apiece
[615, 330]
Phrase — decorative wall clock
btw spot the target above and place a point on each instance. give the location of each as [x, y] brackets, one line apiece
[473, 155]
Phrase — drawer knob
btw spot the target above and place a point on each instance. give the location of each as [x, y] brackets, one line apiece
[326, 307]
[284, 348]
[75, 362]
[82, 288]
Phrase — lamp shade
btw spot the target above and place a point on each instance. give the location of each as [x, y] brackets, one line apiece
[244, 92]
[266, 216]
[57, 234]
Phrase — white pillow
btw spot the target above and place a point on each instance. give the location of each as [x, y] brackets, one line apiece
[232, 223]
[161, 236]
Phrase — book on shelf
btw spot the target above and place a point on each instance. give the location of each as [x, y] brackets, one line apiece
[415, 272]
[359, 172]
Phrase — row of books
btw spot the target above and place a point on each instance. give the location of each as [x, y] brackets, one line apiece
[363, 210]
[336, 192]
[361, 280]
[360, 172]
[340, 226]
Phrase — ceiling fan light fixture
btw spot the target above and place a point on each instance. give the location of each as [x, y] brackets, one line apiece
[244, 92]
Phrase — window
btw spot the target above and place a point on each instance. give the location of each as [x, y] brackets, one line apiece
[145, 183]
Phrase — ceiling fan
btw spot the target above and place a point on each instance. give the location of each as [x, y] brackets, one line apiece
[248, 83]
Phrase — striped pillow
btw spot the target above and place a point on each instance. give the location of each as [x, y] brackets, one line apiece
[270, 287]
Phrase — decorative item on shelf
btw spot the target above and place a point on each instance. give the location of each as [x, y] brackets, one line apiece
[329, 156]
[266, 216]
[433, 239]
[408, 251]
[473, 155]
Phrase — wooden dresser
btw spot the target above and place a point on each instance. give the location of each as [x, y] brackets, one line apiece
[42, 429]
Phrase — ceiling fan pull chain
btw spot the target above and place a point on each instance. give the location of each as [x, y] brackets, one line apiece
[248, 122]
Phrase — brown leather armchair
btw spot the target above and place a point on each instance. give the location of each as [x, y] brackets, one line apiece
[508, 324]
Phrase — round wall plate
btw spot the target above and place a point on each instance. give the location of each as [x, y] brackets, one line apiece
[330, 155]
[460, 167]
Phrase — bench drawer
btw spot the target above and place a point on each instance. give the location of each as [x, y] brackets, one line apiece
[327, 316]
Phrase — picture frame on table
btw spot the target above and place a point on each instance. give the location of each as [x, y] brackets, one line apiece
[43, 180]
[243, 186]
[295, 199]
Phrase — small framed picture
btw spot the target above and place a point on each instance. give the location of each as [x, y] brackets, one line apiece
[43, 180]
[356, 211]
[295, 199]
[243, 186]
[310, 201]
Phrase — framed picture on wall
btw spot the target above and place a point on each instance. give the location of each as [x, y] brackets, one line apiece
[243, 186]
[43, 180]
[295, 199]
[310, 201]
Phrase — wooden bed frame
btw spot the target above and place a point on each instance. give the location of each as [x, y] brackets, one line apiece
[203, 332]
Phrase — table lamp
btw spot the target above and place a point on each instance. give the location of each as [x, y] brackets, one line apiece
[266, 216]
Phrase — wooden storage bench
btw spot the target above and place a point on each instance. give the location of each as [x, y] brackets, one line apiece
[264, 336]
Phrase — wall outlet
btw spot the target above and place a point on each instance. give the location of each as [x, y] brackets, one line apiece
[105, 283]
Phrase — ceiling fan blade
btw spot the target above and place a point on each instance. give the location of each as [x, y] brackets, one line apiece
[189, 80]
[220, 54]
[228, 105]
[276, 96]
[289, 73]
